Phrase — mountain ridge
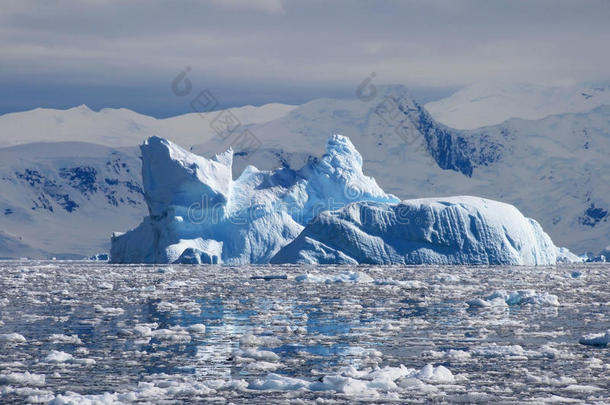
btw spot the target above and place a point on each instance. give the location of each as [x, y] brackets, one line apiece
[554, 169]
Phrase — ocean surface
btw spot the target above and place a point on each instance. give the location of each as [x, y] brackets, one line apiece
[88, 332]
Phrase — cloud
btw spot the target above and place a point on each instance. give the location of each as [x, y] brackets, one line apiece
[270, 43]
[268, 6]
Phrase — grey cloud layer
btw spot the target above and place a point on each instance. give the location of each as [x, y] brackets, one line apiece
[425, 43]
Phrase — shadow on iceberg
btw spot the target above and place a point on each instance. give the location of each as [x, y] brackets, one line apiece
[326, 212]
[453, 230]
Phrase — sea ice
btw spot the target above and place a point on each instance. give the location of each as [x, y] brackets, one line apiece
[12, 338]
[501, 298]
[596, 339]
[56, 356]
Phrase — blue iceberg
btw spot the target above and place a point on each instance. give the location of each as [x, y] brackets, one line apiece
[326, 212]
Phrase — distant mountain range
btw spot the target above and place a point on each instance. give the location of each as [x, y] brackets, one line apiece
[64, 199]
[490, 103]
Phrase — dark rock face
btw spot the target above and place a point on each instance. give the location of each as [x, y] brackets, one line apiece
[593, 215]
[58, 188]
[452, 149]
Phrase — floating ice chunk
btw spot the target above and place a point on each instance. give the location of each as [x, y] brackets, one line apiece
[197, 328]
[84, 361]
[362, 383]
[582, 388]
[433, 374]
[495, 350]
[142, 331]
[451, 355]
[12, 338]
[263, 366]
[412, 383]
[530, 297]
[253, 340]
[276, 382]
[345, 277]
[257, 354]
[352, 386]
[599, 339]
[25, 378]
[407, 284]
[56, 356]
[546, 380]
[60, 338]
[485, 303]
[105, 286]
[501, 298]
[447, 278]
[175, 334]
[108, 310]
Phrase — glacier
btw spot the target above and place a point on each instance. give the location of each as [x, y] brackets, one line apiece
[329, 211]
[453, 230]
[199, 214]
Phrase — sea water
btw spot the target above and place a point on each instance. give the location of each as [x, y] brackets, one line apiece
[89, 332]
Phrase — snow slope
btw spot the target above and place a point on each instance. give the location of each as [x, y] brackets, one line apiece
[63, 199]
[120, 127]
[554, 169]
[199, 214]
[490, 103]
[453, 230]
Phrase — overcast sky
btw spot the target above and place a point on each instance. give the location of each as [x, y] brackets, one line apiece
[125, 53]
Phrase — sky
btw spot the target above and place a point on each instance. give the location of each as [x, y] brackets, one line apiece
[126, 53]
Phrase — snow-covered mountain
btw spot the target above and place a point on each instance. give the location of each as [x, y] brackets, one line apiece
[120, 127]
[63, 199]
[490, 103]
[555, 169]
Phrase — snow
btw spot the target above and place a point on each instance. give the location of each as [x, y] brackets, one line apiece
[84, 189]
[489, 103]
[553, 169]
[453, 230]
[121, 127]
[199, 214]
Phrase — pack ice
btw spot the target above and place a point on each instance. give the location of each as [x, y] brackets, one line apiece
[326, 212]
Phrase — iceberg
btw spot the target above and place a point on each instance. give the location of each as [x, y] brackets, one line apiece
[199, 214]
[453, 230]
[327, 212]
